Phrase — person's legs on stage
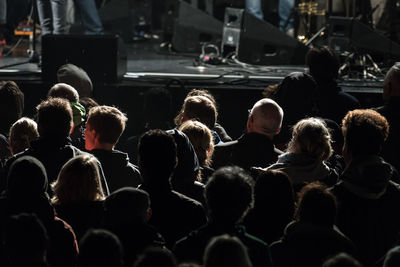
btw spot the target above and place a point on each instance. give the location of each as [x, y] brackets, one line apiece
[286, 19]
[89, 16]
[52, 16]
[254, 7]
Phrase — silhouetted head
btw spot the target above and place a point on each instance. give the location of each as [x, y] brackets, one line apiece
[11, 105]
[65, 91]
[22, 132]
[323, 64]
[77, 78]
[391, 84]
[342, 260]
[156, 257]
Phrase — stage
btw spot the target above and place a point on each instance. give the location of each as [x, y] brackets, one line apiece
[236, 85]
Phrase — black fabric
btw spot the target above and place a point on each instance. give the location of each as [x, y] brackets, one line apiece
[82, 216]
[306, 244]
[4, 150]
[174, 214]
[191, 248]
[368, 207]
[117, 169]
[250, 150]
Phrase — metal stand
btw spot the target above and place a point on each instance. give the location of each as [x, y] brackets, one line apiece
[359, 65]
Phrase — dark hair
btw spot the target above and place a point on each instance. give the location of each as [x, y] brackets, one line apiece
[25, 238]
[317, 205]
[11, 105]
[156, 257]
[108, 122]
[323, 63]
[364, 131]
[99, 248]
[157, 153]
[88, 103]
[63, 90]
[54, 117]
[229, 194]
[342, 260]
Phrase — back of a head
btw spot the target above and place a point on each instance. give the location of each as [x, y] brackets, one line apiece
[108, 122]
[201, 138]
[63, 90]
[342, 260]
[297, 95]
[22, 132]
[11, 105]
[265, 117]
[391, 84]
[25, 240]
[78, 181]
[226, 251]
[274, 187]
[364, 132]
[100, 248]
[200, 108]
[77, 78]
[392, 258]
[157, 156]
[316, 205]
[155, 100]
[202, 92]
[323, 64]
[229, 194]
[27, 176]
[156, 257]
[311, 137]
[54, 117]
[126, 206]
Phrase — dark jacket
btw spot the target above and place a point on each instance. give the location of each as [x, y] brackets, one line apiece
[53, 152]
[117, 169]
[307, 244]
[368, 207]
[191, 248]
[174, 214]
[250, 150]
[81, 216]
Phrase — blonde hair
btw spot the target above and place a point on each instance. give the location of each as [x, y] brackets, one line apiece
[78, 180]
[22, 132]
[200, 108]
[201, 138]
[311, 137]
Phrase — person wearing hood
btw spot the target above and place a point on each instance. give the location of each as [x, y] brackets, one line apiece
[26, 192]
[312, 237]
[367, 197]
[306, 154]
[104, 126]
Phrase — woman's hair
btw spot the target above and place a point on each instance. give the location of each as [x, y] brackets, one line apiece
[311, 137]
[78, 180]
[226, 251]
[22, 132]
[201, 138]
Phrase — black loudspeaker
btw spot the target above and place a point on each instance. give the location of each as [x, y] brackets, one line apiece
[103, 57]
[255, 41]
[124, 17]
[347, 34]
[193, 27]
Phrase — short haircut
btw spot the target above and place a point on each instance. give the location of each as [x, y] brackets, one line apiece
[316, 205]
[224, 251]
[78, 180]
[22, 132]
[157, 153]
[125, 206]
[54, 117]
[342, 260]
[391, 84]
[201, 138]
[100, 248]
[392, 257]
[63, 90]
[364, 132]
[25, 239]
[229, 194]
[200, 108]
[311, 137]
[267, 116]
[323, 63]
[108, 122]
[11, 105]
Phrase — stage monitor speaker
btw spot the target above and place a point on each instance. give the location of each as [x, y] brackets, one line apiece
[103, 57]
[193, 28]
[258, 42]
[349, 34]
[124, 17]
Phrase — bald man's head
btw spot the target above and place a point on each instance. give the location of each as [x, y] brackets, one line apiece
[391, 85]
[265, 118]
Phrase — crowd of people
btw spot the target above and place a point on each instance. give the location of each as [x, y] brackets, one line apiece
[313, 181]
